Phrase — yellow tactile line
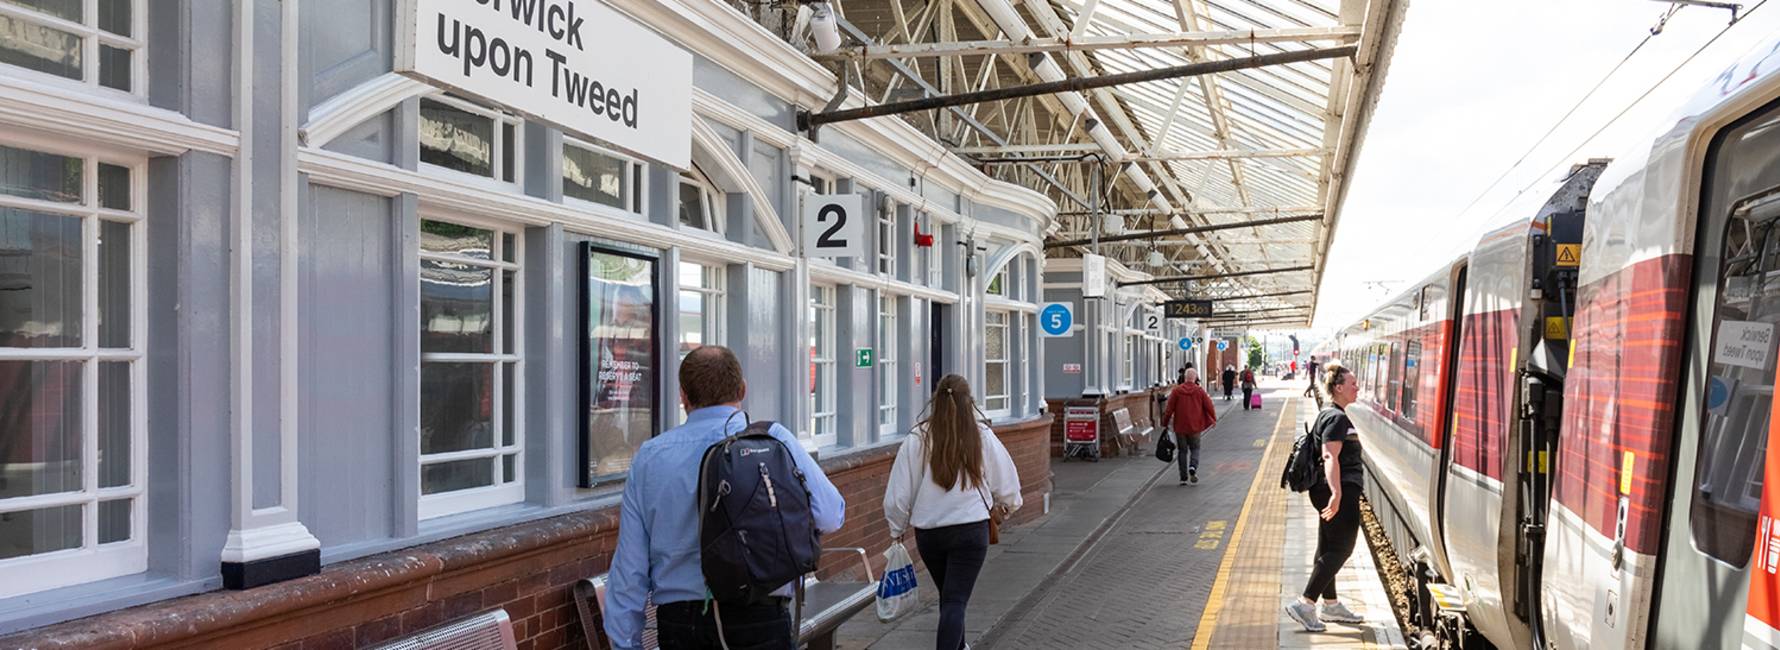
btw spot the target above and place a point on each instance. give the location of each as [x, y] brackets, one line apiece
[1214, 604]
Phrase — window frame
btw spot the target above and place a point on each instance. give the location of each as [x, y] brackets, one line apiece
[92, 561]
[708, 194]
[886, 224]
[92, 37]
[497, 150]
[889, 391]
[990, 322]
[635, 174]
[715, 297]
[500, 492]
[822, 353]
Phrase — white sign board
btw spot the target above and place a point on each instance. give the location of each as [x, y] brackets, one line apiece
[1749, 344]
[1093, 275]
[834, 225]
[577, 64]
[1152, 321]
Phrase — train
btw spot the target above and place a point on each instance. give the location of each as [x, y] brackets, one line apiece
[1566, 428]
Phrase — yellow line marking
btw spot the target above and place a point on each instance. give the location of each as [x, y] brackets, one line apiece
[1214, 604]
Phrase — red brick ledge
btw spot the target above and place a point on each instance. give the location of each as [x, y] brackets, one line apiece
[188, 619]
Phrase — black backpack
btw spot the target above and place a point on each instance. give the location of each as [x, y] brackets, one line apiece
[755, 529]
[1304, 467]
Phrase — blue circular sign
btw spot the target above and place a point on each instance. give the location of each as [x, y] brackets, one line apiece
[1056, 319]
[1718, 393]
[1223, 344]
[1186, 343]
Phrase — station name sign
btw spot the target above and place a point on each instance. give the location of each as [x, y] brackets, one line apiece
[1186, 308]
[577, 64]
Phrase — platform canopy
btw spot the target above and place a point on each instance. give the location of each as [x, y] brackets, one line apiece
[1245, 145]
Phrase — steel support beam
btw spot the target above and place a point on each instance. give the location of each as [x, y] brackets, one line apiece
[1152, 212]
[987, 133]
[1214, 276]
[807, 120]
[1078, 43]
[1182, 231]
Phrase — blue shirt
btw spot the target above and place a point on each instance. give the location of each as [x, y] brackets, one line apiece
[658, 547]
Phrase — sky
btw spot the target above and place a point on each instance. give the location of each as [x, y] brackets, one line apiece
[1471, 87]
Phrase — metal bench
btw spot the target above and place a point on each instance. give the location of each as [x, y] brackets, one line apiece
[1127, 432]
[819, 607]
[491, 630]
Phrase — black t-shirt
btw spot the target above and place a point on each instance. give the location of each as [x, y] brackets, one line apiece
[1332, 425]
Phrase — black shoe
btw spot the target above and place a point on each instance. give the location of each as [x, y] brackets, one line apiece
[1193, 475]
[1183, 482]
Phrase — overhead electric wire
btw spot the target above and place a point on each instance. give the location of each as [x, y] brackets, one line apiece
[1573, 108]
[1633, 104]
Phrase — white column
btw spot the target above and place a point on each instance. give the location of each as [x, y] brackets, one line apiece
[264, 544]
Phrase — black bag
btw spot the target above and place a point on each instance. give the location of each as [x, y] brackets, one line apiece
[1165, 448]
[755, 529]
[1304, 467]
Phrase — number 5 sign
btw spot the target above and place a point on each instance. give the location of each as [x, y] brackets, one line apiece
[834, 225]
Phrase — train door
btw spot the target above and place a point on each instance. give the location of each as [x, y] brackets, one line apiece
[1726, 393]
[1556, 259]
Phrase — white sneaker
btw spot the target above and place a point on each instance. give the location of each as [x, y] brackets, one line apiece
[1305, 614]
[1338, 613]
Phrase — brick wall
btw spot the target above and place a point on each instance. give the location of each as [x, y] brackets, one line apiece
[527, 569]
[1137, 403]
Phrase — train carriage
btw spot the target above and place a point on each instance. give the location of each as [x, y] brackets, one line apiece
[1567, 427]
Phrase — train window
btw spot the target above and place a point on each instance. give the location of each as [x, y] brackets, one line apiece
[1412, 354]
[1740, 384]
[1394, 381]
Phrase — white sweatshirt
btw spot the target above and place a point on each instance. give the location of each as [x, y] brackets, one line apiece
[912, 498]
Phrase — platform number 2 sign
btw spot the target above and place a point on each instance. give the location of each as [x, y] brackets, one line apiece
[1152, 321]
[834, 225]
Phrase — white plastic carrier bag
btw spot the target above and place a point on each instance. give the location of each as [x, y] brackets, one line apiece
[896, 592]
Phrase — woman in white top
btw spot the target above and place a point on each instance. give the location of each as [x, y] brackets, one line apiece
[948, 478]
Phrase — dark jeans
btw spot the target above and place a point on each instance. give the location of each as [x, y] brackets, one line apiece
[1246, 392]
[1335, 539]
[1186, 452]
[953, 555]
[1229, 387]
[691, 625]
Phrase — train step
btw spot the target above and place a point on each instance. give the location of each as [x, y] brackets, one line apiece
[1449, 598]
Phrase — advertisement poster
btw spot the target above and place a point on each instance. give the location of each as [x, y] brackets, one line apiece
[618, 360]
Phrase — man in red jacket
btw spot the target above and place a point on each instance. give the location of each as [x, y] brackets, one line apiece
[1188, 413]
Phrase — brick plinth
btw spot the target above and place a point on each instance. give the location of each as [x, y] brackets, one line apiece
[527, 569]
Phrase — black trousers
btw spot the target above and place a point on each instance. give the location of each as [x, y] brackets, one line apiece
[692, 625]
[953, 555]
[1335, 539]
[1246, 392]
[1229, 387]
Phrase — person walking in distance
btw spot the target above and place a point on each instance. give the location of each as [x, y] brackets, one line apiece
[1248, 387]
[1229, 381]
[949, 479]
[1188, 414]
[1337, 500]
[658, 554]
[1310, 368]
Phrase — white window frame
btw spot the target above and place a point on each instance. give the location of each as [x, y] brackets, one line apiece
[989, 288]
[822, 429]
[996, 319]
[1128, 374]
[887, 353]
[886, 262]
[91, 561]
[711, 284]
[696, 177]
[1026, 342]
[636, 180]
[91, 37]
[498, 144]
[500, 492]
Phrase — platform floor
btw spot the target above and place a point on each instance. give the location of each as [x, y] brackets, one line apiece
[1128, 558]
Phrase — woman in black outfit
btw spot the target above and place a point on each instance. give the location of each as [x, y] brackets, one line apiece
[1338, 501]
[1229, 378]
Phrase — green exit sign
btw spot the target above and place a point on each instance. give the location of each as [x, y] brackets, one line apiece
[863, 358]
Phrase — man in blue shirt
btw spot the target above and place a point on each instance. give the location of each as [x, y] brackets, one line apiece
[658, 545]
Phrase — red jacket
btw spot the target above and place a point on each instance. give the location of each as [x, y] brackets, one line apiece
[1189, 410]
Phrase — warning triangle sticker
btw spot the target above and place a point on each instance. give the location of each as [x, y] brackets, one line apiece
[1569, 254]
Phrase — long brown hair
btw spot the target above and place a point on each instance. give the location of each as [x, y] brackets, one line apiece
[954, 446]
